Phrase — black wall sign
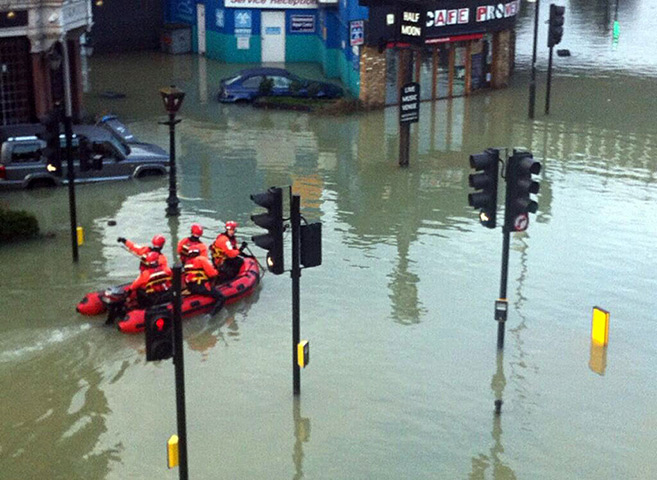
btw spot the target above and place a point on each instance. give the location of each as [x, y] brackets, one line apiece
[411, 21]
[443, 18]
[409, 107]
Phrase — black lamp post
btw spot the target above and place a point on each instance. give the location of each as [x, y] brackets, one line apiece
[172, 98]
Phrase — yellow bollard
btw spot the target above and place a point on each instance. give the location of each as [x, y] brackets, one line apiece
[600, 326]
[80, 232]
[172, 452]
[303, 353]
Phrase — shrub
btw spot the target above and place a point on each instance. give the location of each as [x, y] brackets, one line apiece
[16, 225]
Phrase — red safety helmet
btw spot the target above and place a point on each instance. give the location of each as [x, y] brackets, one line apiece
[197, 230]
[232, 225]
[158, 241]
[151, 259]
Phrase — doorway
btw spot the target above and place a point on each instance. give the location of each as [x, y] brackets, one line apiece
[273, 37]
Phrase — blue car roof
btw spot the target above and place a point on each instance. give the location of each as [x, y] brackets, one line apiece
[263, 71]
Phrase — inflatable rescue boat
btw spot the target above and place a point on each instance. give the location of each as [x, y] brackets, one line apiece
[248, 278]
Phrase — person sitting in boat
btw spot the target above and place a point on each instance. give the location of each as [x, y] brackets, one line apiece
[199, 275]
[225, 253]
[157, 242]
[191, 242]
[154, 283]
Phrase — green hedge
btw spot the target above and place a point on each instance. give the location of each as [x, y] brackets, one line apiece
[16, 225]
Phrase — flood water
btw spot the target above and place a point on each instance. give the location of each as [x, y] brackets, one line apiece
[404, 367]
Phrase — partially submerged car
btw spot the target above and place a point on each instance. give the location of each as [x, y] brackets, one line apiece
[251, 83]
[23, 165]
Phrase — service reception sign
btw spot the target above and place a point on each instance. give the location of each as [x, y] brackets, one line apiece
[278, 4]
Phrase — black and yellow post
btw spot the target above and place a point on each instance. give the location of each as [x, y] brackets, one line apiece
[295, 220]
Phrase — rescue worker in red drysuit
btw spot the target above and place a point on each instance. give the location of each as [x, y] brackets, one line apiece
[153, 285]
[226, 254]
[191, 242]
[199, 275]
[157, 242]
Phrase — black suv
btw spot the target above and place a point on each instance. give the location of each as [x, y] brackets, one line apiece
[22, 164]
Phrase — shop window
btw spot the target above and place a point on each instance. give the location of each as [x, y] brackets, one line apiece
[426, 74]
[392, 68]
[442, 86]
[458, 87]
[15, 80]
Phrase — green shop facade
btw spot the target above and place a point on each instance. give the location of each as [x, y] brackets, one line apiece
[468, 44]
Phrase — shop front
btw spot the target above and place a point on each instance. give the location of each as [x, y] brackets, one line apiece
[468, 46]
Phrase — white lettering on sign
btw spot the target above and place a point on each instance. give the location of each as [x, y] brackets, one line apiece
[409, 98]
[411, 17]
[482, 13]
[411, 106]
[411, 30]
[440, 18]
[486, 13]
[409, 89]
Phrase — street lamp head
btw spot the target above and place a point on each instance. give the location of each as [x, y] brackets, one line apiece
[172, 98]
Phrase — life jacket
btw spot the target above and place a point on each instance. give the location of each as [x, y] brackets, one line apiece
[218, 254]
[190, 245]
[159, 281]
[194, 273]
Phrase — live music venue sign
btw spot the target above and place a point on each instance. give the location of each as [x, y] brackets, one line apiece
[409, 107]
[412, 21]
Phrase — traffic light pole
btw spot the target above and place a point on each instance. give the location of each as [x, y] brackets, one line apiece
[68, 132]
[295, 220]
[549, 83]
[504, 277]
[532, 82]
[178, 362]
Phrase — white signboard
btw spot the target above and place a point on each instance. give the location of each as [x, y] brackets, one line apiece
[277, 4]
[243, 43]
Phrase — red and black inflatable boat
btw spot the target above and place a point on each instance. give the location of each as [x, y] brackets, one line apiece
[233, 290]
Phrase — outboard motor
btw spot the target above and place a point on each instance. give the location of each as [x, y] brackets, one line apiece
[115, 300]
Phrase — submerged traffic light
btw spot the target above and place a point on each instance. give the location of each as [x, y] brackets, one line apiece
[52, 150]
[519, 186]
[485, 184]
[159, 333]
[555, 29]
[272, 241]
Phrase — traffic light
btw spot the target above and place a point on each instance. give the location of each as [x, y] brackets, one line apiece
[52, 150]
[311, 245]
[555, 30]
[272, 241]
[159, 333]
[485, 184]
[519, 185]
